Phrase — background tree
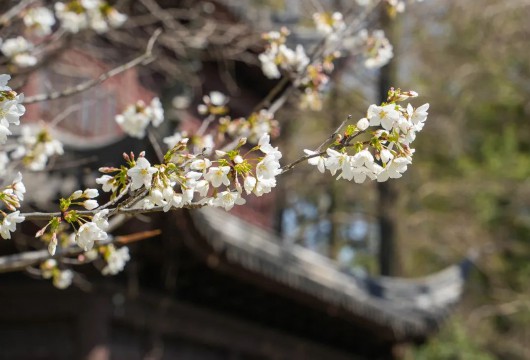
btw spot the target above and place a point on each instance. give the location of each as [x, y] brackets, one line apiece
[470, 188]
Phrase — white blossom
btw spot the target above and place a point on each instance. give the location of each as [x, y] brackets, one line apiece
[218, 98]
[268, 168]
[336, 161]
[107, 183]
[418, 115]
[18, 187]
[385, 116]
[90, 204]
[132, 122]
[141, 174]
[317, 161]
[218, 175]
[17, 50]
[386, 156]
[227, 199]
[329, 23]
[363, 124]
[116, 260]
[135, 119]
[36, 147]
[4, 78]
[155, 112]
[200, 164]
[70, 21]
[378, 50]
[4, 132]
[116, 18]
[11, 111]
[94, 14]
[202, 187]
[88, 233]
[249, 183]
[264, 186]
[40, 20]
[63, 278]
[266, 148]
[100, 219]
[52, 246]
[394, 169]
[91, 193]
[268, 65]
[9, 224]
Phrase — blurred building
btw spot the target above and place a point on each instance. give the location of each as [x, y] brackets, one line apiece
[213, 285]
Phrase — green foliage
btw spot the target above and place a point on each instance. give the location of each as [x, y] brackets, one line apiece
[472, 167]
[453, 343]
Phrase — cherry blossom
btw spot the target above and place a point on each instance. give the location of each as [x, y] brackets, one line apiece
[39, 20]
[18, 51]
[218, 175]
[9, 224]
[141, 174]
[88, 233]
[116, 260]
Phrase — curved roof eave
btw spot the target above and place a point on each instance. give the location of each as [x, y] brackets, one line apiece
[410, 309]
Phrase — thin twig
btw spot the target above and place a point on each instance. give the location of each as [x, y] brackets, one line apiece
[300, 160]
[290, 166]
[335, 133]
[14, 11]
[117, 198]
[16, 262]
[142, 59]
[156, 145]
[115, 210]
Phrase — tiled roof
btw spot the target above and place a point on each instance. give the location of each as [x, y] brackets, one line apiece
[410, 309]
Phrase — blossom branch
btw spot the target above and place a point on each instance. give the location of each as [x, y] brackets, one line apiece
[112, 210]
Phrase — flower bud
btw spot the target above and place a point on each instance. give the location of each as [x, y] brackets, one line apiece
[52, 246]
[91, 193]
[76, 195]
[363, 124]
[90, 204]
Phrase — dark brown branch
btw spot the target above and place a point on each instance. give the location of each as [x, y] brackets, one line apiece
[14, 11]
[146, 57]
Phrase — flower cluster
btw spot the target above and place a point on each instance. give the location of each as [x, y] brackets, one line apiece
[11, 108]
[39, 20]
[115, 258]
[309, 77]
[11, 196]
[377, 50]
[135, 119]
[197, 143]
[395, 128]
[278, 56]
[214, 104]
[252, 128]
[91, 231]
[18, 51]
[89, 228]
[185, 176]
[61, 278]
[98, 15]
[36, 147]
[329, 23]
